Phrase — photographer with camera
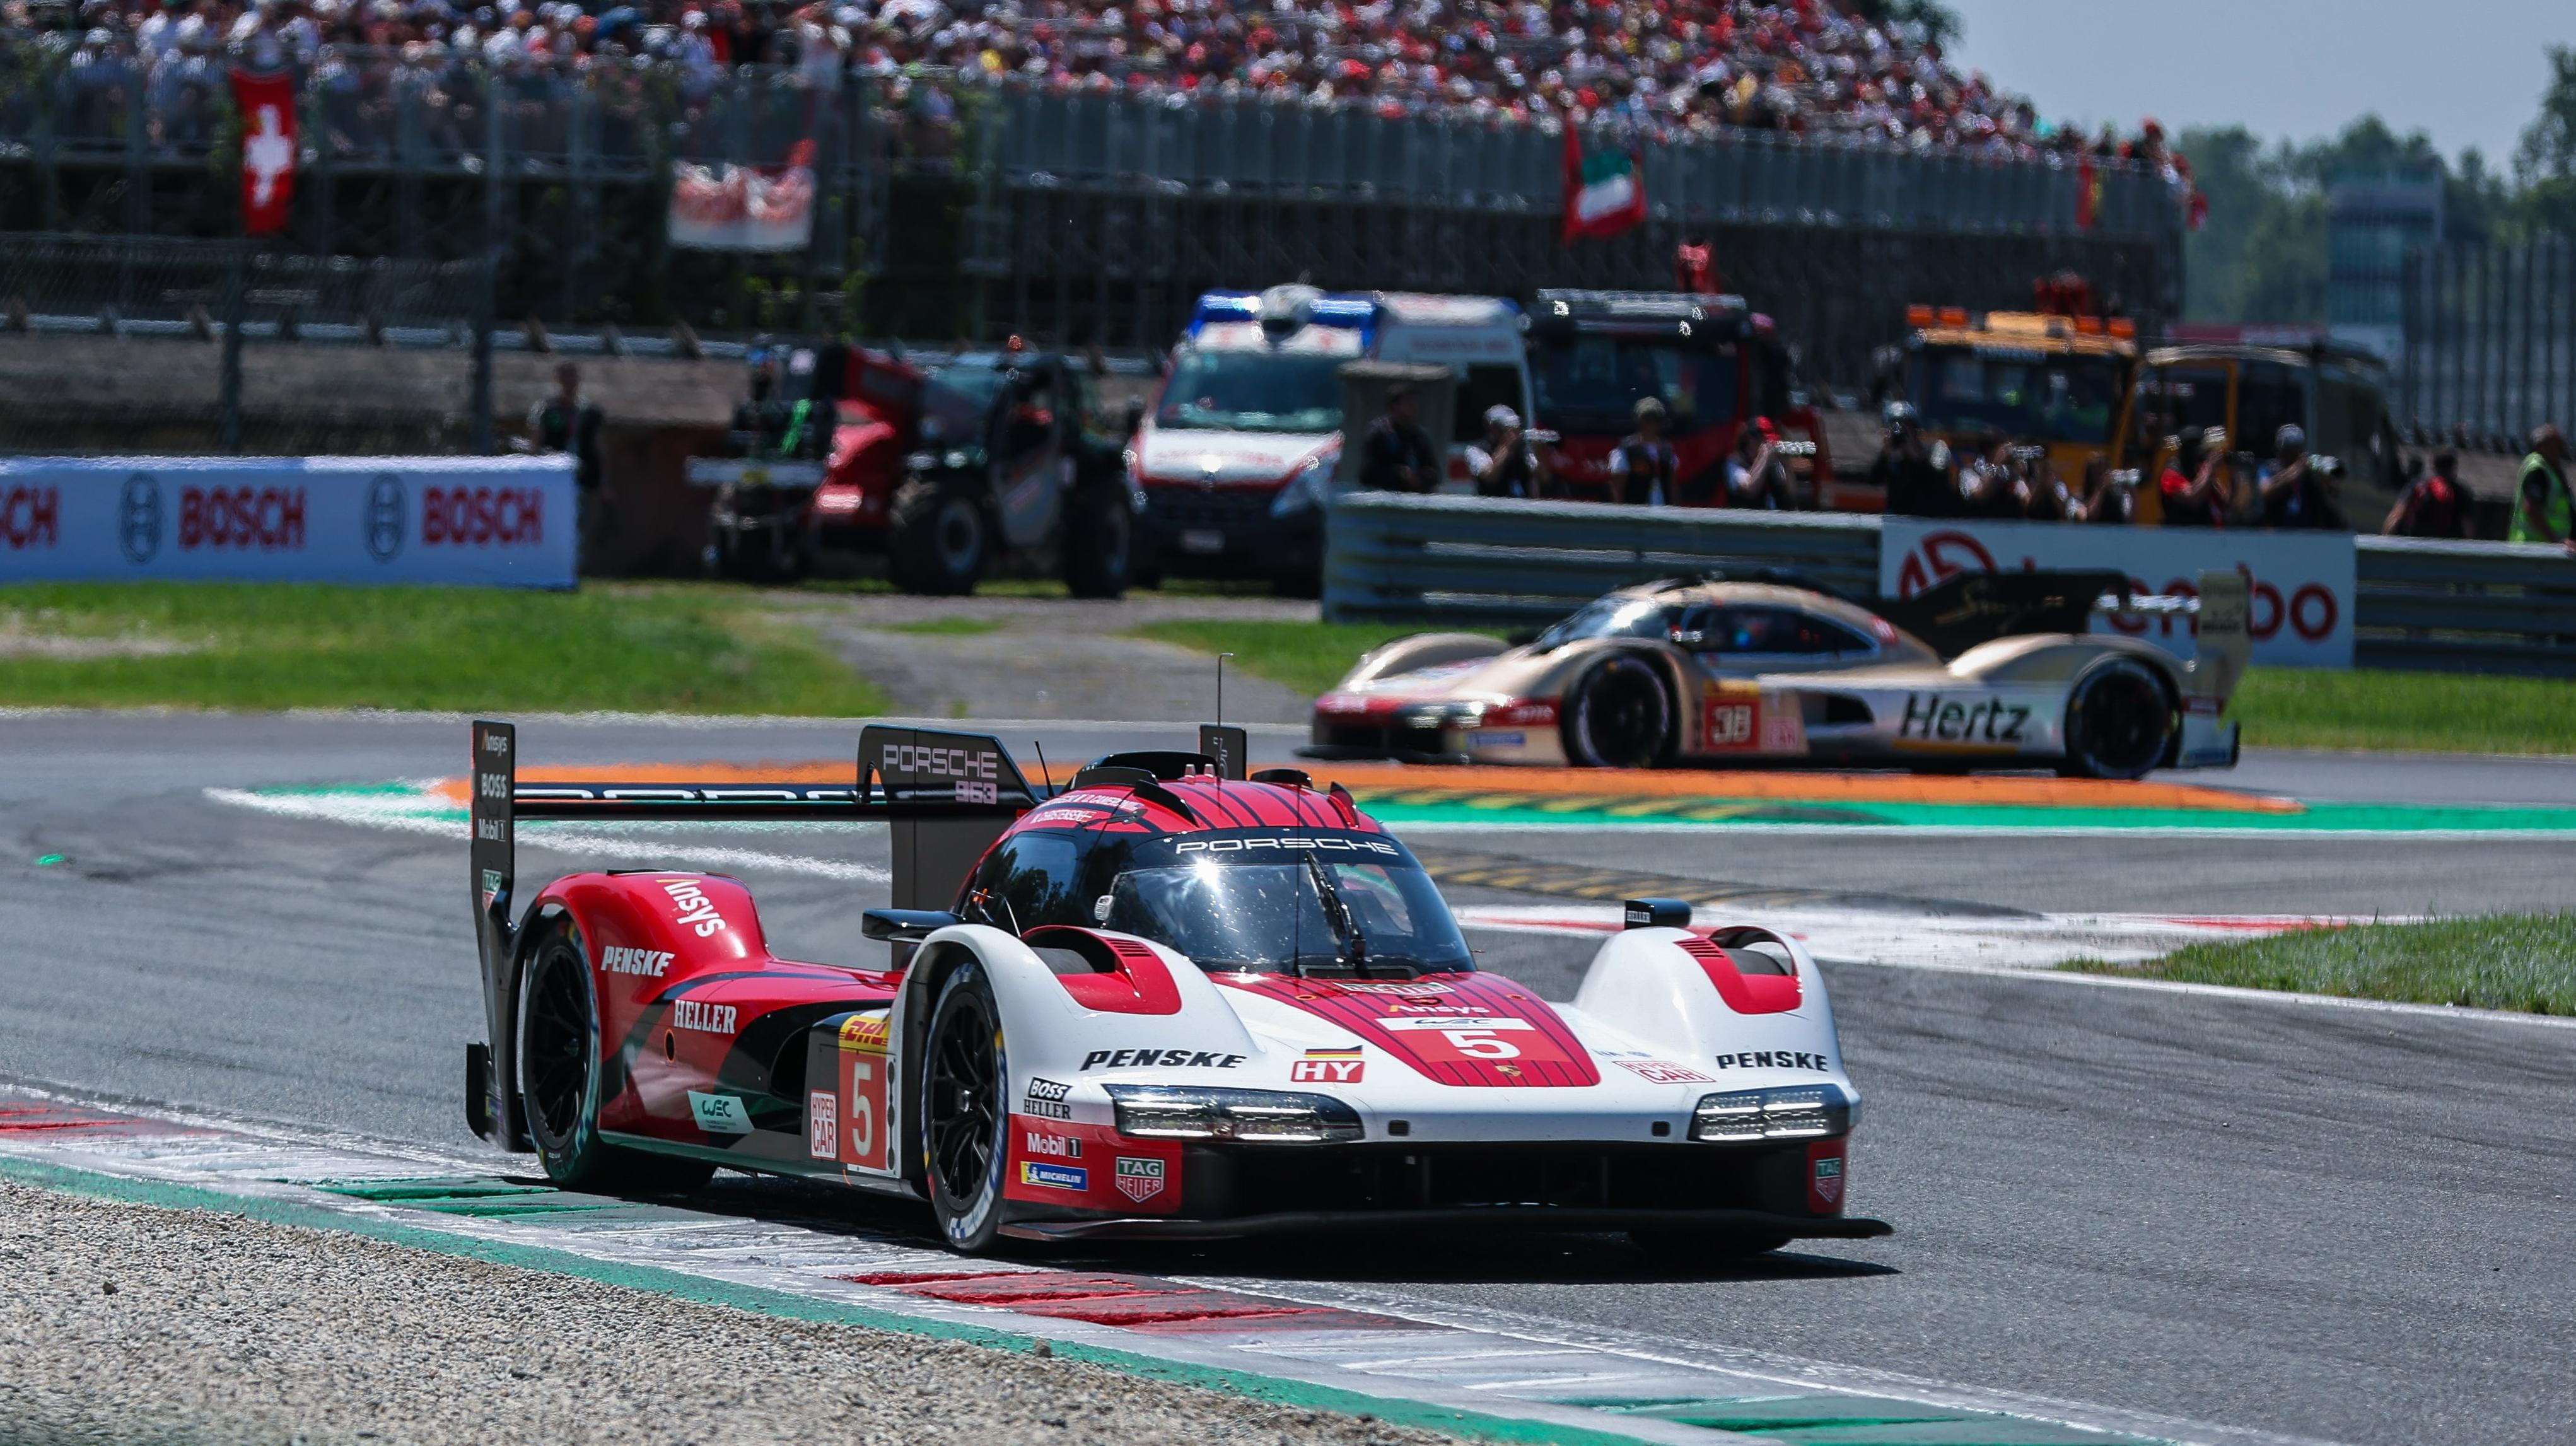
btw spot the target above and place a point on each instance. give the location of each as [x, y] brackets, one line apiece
[2043, 495]
[1913, 468]
[2198, 498]
[1756, 476]
[2298, 491]
[2110, 497]
[1505, 464]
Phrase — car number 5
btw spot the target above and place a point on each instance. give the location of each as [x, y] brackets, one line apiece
[1481, 1043]
[863, 1128]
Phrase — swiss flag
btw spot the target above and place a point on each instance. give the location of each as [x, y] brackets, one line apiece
[266, 104]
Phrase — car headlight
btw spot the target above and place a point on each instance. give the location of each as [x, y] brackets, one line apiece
[1304, 490]
[1167, 1112]
[1445, 715]
[1804, 1112]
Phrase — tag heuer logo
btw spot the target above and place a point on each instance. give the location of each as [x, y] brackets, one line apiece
[1139, 1180]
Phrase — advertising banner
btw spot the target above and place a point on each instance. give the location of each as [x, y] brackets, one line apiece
[2302, 581]
[495, 521]
[738, 208]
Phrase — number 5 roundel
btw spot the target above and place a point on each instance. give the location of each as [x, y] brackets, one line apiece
[1459, 1029]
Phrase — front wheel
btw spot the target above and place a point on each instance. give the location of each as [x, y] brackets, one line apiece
[1619, 714]
[965, 1121]
[2119, 722]
[937, 541]
[1099, 542]
[562, 1079]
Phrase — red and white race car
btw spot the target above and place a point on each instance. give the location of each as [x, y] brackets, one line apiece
[1158, 1002]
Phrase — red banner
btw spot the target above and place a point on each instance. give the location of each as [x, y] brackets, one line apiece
[266, 104]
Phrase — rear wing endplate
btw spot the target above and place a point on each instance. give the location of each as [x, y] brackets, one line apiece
[944, 795]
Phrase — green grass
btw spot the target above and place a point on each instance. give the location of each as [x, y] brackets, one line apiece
[2426, 712]
[682, 648]
[2506, 961]
[2279, 707]
[1309, 657]
[949, 627]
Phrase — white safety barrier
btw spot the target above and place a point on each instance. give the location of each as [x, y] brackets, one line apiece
[494, 521]
[2303, 582]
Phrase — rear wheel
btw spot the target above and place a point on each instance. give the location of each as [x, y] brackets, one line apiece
[964, 1119]
[1099, 541]
[1619, 714]
[937, 541]
[2119, 721]
[562, 1080]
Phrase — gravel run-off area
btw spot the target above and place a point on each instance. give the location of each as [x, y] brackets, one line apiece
[133, 1323]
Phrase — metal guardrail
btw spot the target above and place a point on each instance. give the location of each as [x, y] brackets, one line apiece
[2464, 607]
[2481, 607]
[1404, 558]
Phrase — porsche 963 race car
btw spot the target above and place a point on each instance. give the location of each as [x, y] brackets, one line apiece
[1157, 1002]
[1985, 670]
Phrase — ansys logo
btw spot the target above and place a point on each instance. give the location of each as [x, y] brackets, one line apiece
[385, 516]
[138, 518]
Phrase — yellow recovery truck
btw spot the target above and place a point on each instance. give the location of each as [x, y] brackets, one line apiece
[2058, 382]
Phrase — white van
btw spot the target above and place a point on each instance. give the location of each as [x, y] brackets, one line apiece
[1235, 455]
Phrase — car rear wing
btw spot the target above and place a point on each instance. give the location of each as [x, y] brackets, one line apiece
[946, 796]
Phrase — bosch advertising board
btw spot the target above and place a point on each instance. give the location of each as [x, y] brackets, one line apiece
[2302, 582]
[494, 521]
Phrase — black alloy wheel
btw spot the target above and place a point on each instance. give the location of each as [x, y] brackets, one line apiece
[2119, 722]
[938, 541]
[562, 1081]
[964, 1118]
[1619, 714]
[1099, 541]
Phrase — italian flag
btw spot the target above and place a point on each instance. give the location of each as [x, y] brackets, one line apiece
[1604, 195]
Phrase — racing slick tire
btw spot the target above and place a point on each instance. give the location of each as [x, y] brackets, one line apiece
[2119, 722]
[562, 1082]
[1619, 714]
[1683, 1247]
[1099, 541]
[965, 1111]
[938, 541]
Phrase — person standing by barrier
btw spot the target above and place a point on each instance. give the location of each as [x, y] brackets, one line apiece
[1755, 475]
[1506, 465]
[1913, 469]
[2542, 511]
[565, 421]
[2109, 497]
[2200, 498]
[2298, 492]
[1397, 455]
[1643, 466]
[2434, 506]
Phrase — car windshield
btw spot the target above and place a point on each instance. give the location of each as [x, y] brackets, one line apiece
[957, 399]
[2025, 396]
[1609, 617]
[1376, 920]
[1593, 383]
[1253, 391]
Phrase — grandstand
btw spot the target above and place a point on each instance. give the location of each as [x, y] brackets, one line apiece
[1081, 173]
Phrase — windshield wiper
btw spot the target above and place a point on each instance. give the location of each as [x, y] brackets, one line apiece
[1338, 914]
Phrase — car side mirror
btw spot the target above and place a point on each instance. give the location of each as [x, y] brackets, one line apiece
[907, 926]
[1695, 641]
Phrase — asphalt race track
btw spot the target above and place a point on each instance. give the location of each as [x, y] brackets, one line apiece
[2325, 1223]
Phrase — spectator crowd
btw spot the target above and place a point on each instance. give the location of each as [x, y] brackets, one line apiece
[1673, 66]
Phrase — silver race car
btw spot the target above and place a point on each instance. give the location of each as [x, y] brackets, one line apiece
[1987, 670]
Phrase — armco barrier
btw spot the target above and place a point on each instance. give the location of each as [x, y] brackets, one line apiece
[1405, 558]
[2488, 607]
[2466, 607]
[493, 521]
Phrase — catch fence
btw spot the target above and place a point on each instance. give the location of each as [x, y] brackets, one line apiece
[2490, 341]
[172, 346]
[954, 205]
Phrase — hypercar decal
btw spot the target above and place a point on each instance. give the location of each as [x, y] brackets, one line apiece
[1457, 1029]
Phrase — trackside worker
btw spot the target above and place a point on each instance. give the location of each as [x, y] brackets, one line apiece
[2542, 511]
